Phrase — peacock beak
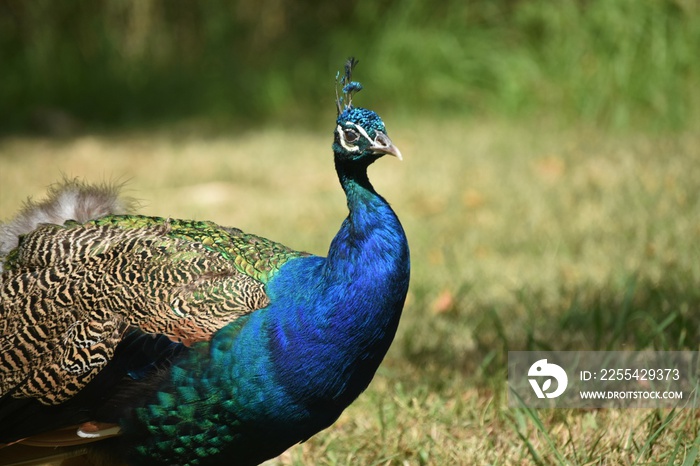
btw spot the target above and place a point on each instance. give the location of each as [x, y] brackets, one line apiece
[383, 145]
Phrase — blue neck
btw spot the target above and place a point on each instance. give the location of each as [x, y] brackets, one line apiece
[332, 332]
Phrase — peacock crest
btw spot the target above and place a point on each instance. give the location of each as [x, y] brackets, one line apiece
[347, 86]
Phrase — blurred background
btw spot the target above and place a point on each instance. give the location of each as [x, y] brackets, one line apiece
[128, 62]
[549, 189]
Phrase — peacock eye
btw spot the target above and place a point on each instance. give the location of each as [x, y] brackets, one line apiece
[351, 135]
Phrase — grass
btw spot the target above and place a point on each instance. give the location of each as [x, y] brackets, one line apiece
[524, 237]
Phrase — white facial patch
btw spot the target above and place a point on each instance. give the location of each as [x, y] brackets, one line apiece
[344, 143]
[352, 147]
[363, 132]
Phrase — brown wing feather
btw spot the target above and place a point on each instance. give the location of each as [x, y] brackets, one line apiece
[71, 293]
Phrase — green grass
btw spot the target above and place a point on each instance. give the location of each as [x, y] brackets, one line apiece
[524, 236]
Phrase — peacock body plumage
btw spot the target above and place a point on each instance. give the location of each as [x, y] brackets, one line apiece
[184, 342]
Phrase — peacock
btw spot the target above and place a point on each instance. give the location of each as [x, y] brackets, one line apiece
[149, 340]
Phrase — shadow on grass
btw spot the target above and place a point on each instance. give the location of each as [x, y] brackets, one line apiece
[641, 314]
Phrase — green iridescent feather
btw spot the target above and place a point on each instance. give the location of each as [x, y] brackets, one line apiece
[252, 255]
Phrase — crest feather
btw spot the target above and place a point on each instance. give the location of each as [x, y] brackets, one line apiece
[347, 85]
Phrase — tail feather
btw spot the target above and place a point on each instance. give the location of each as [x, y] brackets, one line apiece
[25, 455]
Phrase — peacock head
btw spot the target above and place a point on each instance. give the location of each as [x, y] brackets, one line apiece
[359, 134]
